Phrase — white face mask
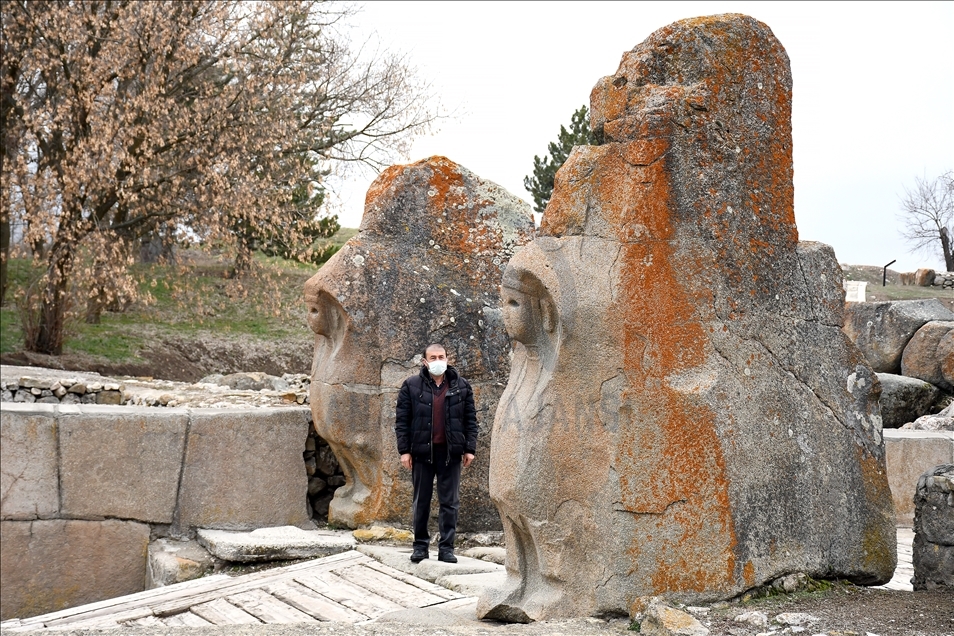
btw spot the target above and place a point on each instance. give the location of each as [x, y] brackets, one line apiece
[437, 367]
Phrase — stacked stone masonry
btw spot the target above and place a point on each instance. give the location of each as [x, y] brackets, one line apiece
[83, 481]
[214, 391]
[933, 549]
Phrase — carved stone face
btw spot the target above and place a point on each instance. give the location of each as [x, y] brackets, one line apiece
[681, 389]
[423, 269]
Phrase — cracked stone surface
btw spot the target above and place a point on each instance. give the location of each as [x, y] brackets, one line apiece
[684, 417]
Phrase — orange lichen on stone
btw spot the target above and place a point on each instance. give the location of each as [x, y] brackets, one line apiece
[676, 441]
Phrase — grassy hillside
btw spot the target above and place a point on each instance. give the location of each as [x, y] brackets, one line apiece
[894, 290]
[193, 301]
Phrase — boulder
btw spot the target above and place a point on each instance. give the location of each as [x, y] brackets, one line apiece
[924, 277]
[943, 421]
[933, 548]
[882, 329]
[684, 416]
[49, 565]
[923, 358]
[424, 267]
[904, 399]
[945, 353]
[29, 481]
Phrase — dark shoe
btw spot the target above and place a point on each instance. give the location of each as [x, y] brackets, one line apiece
[419, 555]
[447, 557]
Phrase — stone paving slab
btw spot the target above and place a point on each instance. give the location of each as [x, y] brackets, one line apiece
[473, 584]
[429, 569]
[274, 544]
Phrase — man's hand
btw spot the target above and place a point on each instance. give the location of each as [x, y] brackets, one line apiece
[468, 458]
[406, 460]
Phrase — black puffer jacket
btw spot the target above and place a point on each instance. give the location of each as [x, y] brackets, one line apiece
[412, 422]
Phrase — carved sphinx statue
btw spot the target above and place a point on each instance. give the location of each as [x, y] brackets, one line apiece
[424, 268]
[684, 417]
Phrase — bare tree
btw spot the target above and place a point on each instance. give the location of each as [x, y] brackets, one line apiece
[927, 216]
[206, 117]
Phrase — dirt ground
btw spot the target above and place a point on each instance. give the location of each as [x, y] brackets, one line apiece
[849, 609]
[841, 611]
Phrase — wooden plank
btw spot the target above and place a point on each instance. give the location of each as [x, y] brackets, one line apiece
[267, 608]
[388, 587]
[427, 586]
[251, 581]
[221, 612]
[111, 620]
[185, 619]
[313, 603]
[120, 603]
[351, 596]
[146, 621]
[168, 595]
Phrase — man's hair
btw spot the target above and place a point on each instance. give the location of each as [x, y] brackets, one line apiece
[434, 345]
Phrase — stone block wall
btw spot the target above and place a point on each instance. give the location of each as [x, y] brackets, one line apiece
[85, 487]
[908, 455]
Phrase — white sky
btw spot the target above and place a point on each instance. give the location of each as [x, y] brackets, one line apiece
[873, 96]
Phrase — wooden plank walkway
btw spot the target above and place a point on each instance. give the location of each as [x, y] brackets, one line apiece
[348, 587]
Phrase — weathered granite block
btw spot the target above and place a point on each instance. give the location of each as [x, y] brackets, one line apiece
[28, 467]
[904, 399]
[923, 356]
[882, 329]
[909, 454]
[242, 472]
[933, 549]
[51, 565]
[121, 462]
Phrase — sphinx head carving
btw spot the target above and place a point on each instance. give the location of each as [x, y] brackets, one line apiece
[424, 268]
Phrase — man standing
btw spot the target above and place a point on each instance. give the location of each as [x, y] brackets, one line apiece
[436, 427]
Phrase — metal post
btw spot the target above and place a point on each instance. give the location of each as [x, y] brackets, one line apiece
[884, 273]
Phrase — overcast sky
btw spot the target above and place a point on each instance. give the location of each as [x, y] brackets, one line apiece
[873, 96]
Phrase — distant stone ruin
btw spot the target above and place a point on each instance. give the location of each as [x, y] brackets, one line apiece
[424, 268]
[684, 416]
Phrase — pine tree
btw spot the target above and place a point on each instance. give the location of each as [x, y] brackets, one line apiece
[540, 185]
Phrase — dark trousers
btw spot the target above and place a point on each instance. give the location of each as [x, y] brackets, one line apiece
[448, 495]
